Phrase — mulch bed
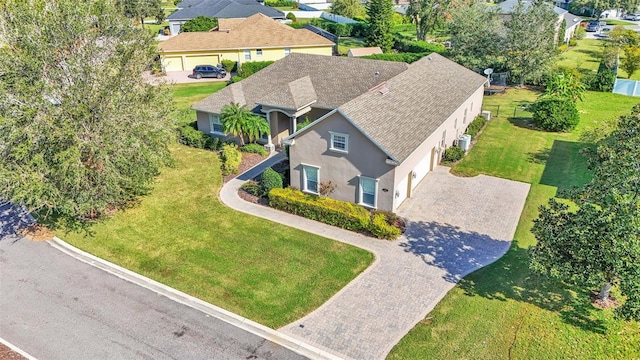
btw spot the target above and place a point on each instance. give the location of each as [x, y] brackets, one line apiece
[8, 354]
[249, 160]
[611, 302]
[36, 232]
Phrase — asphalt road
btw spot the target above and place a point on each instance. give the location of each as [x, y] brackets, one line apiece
[55, 307]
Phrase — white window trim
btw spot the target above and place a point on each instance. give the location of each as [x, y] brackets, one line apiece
[287, 51]
[247, 52]
[375, 192]
[346, 142]
[258, 52]
[211, 117]
[304, 179]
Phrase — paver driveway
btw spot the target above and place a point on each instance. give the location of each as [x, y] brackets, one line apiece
[457, 225]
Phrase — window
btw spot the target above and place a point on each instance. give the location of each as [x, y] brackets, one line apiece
[455, 123]
[215, 124]
[368, 189]
[472, 106]
[247, 54]
[310, 176]
[464, 119]
[339, 142]
[258, 52]
[287, 51]
[443, 142]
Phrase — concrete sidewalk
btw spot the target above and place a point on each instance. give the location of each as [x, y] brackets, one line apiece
[409, 276]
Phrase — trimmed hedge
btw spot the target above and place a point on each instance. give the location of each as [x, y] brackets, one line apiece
[418, 47]
[231, 158]
[452, 154]
[381, 229]
[229, 65]
[476, 125]
[254, 148]
[188, 135]
[333, 212]
[270, 179]
[281, 3]
[249, 68]
[403, 57]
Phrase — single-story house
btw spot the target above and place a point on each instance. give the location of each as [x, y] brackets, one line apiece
[221, 9]
[572, 21]
[356, 52]
[256, 38]
[377, 127]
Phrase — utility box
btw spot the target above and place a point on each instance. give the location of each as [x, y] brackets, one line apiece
[486, 114]
[464, 141]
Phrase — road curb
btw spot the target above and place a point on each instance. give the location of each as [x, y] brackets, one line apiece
[250, 326]
[16, 349]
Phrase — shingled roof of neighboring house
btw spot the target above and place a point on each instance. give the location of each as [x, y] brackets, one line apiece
[364, 51]
[224, 9]
[257, 31]
[334, 80]
[402, 112]
[508, 6]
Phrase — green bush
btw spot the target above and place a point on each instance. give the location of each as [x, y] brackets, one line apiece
[452, 154]
[291, 16]
[249, 68]
[417, 47]
[476, 125]
[580, 33]
[296, 25]
[231, 158]
[381, 229]
[281, 3]
[254, 149]
[333, 212]
[214, 143]
[270, 179]
[402, 57]
[555, 114]
[573, 42]
[229, 65]
[236, 78]
[562, 48]
[252, 187]
[603, 80]
[189, 136]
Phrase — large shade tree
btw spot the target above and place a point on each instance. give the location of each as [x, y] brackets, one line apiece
[426, 15]
[596, 241]
[199, 24]
[81, 132]
[378, 32]
[348, 8]
[141, 9]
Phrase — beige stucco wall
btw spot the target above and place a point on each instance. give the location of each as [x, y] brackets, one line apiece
[203, 121]
[363, 158]
[421, 160]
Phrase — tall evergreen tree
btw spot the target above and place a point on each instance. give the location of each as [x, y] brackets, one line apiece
[378, 33]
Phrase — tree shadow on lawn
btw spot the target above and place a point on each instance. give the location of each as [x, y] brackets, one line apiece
[459, 252]
[565, 166]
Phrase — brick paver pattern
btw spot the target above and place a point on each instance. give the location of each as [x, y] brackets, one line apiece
[456, 225]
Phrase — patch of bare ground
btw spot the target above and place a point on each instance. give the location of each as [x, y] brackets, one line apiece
[608, 303]
[36, 232]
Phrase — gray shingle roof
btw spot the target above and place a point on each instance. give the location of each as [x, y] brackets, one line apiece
[335, 81]
[507, 6]
[299, 93]
[224, 9]
[417, 102]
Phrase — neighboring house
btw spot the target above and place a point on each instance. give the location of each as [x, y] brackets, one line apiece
[257, 38]
[378, 127]
[221, 9]
[572, 21]
[356, 52]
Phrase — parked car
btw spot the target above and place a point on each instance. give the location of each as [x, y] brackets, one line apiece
[201, 71]
[593, 26]
[632, 17]
[604, 33]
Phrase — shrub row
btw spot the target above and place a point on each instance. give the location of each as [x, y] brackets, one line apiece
[476, 125]
[229, 65]
[254, 148]
[417, 47]
[189, 136]
[333, 212]
[338, 29]
[231, 158]
[249, 68]
[400, 57]
[281, 3]
[452, 154]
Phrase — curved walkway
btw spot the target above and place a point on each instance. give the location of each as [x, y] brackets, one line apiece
[456, 225]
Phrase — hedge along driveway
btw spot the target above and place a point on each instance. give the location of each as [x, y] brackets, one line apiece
[182, 236]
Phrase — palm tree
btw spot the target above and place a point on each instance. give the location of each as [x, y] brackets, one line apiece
[234, 118]
[255, 126]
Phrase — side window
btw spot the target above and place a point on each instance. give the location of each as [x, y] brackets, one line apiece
[287, 51]
[368, 190]
[464, 119]
[339, 142]
[258, 52]
[247, 54]
[215, 124]
[443, 142]
[310, 178]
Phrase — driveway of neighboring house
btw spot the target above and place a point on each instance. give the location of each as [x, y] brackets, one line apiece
[179, 77]
[456, 225]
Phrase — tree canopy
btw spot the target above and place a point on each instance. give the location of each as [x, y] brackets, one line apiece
[140, 9]
[199, 24]
[81, 133]
[348, 8]
[240, 121]
[378, 32]
[427, 15]
[595, 240]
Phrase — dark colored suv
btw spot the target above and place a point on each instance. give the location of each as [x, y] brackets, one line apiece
[201, 71]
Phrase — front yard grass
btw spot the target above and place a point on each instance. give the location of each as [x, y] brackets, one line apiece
[346, 43]
[182, 235]
[586, 55]
[504, 310]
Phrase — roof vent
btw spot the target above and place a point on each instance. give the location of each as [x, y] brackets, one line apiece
[383, 90]
[377, 73]
[429, 58]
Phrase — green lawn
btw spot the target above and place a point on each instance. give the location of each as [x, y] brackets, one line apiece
[586, 55]
[505, 311]
[346, 43]
[182, 236]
